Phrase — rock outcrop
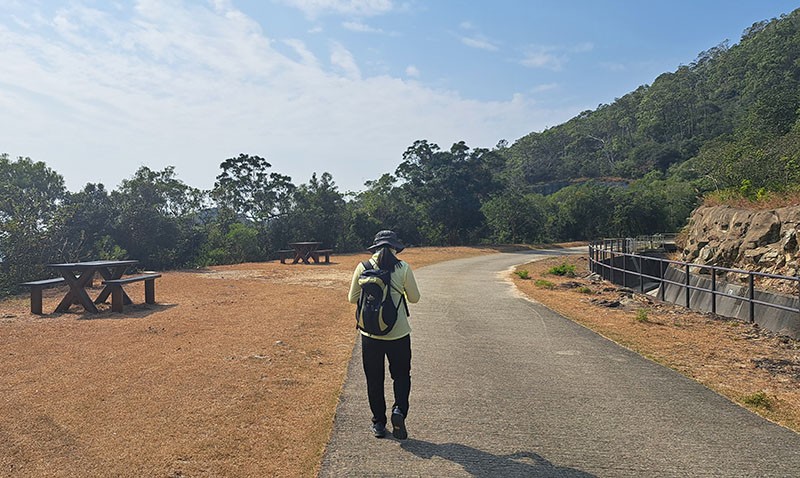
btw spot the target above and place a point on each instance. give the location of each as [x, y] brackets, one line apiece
[736, 238]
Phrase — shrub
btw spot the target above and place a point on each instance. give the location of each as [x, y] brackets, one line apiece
[563, 270]
[545, 284]
[758, 399]
[523, 274]
[641, 316]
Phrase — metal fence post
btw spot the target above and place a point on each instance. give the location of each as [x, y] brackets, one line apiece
[713, 290]
[687, 286]
[641, 274]
[624, 270]
[751, 292]
[614, 267]
[661, 277]
[604, 260]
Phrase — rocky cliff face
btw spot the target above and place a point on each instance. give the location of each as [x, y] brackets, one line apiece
[764, 241]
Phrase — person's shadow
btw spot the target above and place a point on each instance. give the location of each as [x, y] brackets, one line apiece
[482, 464]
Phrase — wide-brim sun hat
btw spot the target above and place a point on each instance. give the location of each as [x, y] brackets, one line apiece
[386, 238]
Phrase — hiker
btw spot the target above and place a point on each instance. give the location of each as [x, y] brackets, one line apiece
[379, 338]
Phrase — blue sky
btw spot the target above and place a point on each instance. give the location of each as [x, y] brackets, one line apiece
[96, 89]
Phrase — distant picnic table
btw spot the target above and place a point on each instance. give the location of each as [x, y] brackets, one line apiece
[305, 252]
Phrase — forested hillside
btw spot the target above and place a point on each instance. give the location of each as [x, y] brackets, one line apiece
[729, 117]
[725, 124]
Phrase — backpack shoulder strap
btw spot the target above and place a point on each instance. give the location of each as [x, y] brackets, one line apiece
[367, 265]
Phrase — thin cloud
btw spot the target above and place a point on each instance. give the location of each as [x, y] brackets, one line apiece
[544, 87]
[582, 47]
[412, 71]
[552, 57]
[344, 61]
[613, 66]
[306, 57]
[360, 27]
[361, 8]
[479, 42]
[20, 22]
[475, 39]
[543, 57]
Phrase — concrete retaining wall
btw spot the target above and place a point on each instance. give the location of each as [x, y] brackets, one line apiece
[777, 320]
[640, 265]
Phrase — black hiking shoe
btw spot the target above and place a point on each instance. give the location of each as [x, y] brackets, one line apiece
[379, 430]
[399, 424]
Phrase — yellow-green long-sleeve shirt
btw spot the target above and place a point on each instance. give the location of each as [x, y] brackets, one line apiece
[402, 280]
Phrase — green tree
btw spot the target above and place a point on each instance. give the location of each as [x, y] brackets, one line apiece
[246, 187]
[84, 226]
[581, 212]
[446, 189]
[30, 196]
[516, 218]
[317, 214]
[157, 222]
[381, 206]
[231, 244]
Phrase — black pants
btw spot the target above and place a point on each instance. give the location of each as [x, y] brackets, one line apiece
[398, 352]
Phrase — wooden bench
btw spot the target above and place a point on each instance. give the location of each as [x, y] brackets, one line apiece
[36, 292]
[322, 252]
[117, 297]
[284, 253]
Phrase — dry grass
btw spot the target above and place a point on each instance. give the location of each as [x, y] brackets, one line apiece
[772, 200]
[749, 366]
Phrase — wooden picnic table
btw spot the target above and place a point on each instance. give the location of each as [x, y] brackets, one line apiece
[304, 251]
[78, 275]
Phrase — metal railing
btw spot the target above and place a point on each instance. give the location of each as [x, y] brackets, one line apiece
[614, 260]
[653, 242]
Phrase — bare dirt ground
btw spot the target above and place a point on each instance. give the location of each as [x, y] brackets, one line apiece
[236, 371]
[748, 365]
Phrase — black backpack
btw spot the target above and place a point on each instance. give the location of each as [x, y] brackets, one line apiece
[376, 313]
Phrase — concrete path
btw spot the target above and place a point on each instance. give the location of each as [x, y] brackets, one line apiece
[503, 387]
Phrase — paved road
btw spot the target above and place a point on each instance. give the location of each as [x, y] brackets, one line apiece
[503, 387]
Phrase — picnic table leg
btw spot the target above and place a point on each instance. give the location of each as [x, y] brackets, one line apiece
[309, 255]
[77, 292]
[36, 300]
[150, 291]
[116, 298]
[114, 274]
[301, 255]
